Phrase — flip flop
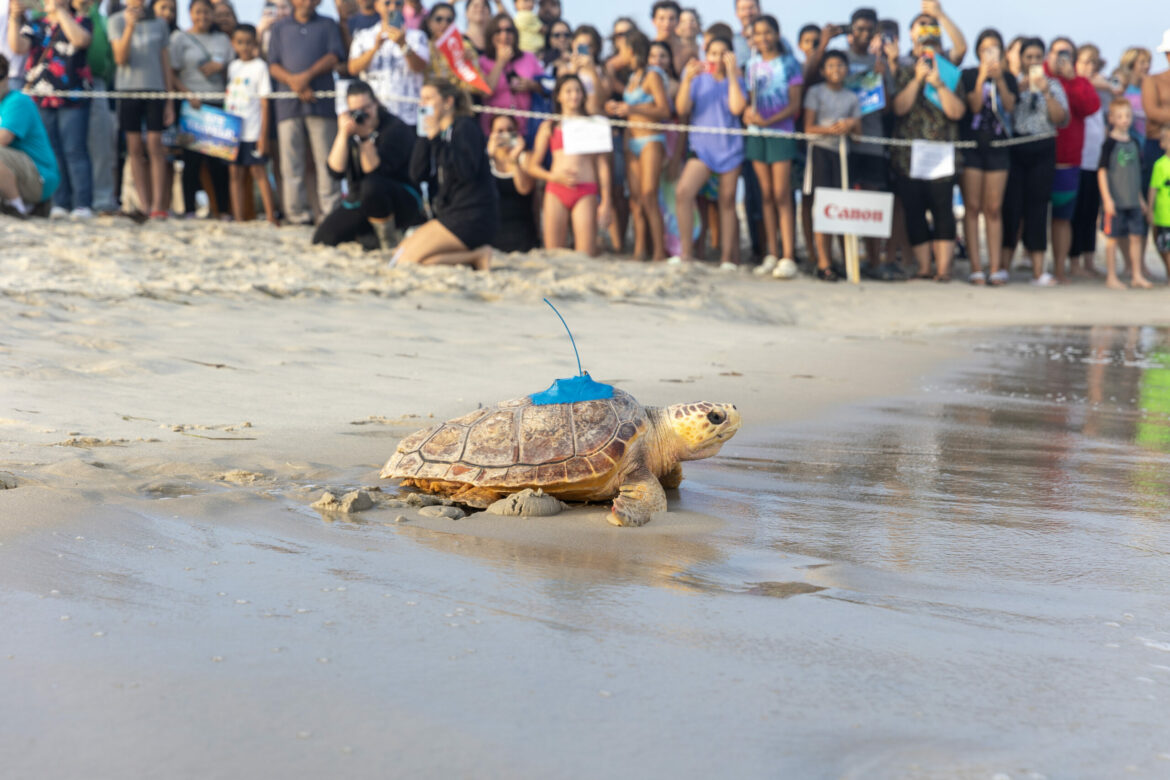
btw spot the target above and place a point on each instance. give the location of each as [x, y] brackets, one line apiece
[976, 278]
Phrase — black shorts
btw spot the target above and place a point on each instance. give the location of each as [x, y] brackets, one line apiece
[869, 172]
[987, 158]
[249, 156]
[1162, 239]
[823, 170]
[134, 112]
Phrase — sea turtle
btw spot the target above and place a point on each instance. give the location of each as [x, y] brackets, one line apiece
[611, 448]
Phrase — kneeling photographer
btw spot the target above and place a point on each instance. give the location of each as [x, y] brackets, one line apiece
[372, 153]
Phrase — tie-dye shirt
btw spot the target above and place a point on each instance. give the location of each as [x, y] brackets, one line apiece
[769, 81]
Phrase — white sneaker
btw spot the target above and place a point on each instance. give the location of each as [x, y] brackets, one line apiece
[81, 213]
[1045, 280]
[676, 260]
[728, 267]
[786, 269]
[57, 212]
[766, 267]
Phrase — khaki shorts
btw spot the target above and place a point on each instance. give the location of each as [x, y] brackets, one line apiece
[28, 179]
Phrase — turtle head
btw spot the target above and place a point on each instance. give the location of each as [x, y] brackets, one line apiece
[702, 428]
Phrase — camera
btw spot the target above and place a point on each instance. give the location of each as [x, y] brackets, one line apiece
[360, 116]
[583, 48]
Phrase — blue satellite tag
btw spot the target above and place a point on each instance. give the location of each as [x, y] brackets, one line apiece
[572, 390]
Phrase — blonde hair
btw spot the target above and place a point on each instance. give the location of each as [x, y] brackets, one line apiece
[1129, 60]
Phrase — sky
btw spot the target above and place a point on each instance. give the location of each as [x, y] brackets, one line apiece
[1136, 23]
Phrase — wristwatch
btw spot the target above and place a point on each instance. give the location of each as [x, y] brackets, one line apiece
[373, 136]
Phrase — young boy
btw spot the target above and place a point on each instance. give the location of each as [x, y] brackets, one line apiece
[1119, 175]
[247, 91]
[1160, 200]
[829, 110]
[528, 27]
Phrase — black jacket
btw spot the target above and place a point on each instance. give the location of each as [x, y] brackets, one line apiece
[454, 164]
[396, 140]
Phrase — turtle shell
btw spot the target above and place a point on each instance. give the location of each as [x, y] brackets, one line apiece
[518, 444]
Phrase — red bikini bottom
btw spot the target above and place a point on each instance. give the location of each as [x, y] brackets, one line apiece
[570, 195]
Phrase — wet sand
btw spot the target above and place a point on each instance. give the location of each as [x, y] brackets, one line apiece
[932, 550]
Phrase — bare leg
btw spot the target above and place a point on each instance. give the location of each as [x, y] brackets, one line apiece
[637, 212]
[260, 175]
[944, 251]
[651, 171]
[1137, 261]
[556, 222]
[158, 171]
[140, 169]
[1037, 264]
[922, 256]
[433, 244]
[824, 252]
[972, 189]
[1061, 243]
[782, 195]
[693, 177]
[994, 187]
[236, 172]
[768, 205]
[584, 216]
[1111, 280]
[729, 224]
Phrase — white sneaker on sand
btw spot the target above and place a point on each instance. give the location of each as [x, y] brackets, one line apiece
[81, 213]
[786, 269]
[57, 212]
[1044, 280]
[728, 267]
[766, 267]
[676, 260]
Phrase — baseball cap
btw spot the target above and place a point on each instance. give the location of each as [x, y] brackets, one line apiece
[1165, 46]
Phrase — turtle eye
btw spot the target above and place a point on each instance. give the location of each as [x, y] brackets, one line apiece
[716, 418]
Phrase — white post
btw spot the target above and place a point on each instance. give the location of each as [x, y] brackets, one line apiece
[852, 262]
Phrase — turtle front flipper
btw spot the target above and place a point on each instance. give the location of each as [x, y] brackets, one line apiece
[673, 478]
[639, 497]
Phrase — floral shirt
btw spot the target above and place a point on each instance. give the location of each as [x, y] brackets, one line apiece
[924, 121]
[55, 63]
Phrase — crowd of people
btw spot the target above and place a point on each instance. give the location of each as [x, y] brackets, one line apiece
[1055, 145]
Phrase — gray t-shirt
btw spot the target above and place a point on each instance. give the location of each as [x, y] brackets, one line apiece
[147, 42]
[1122, 162]
[871, 123]
[829, 105]
[190, 50]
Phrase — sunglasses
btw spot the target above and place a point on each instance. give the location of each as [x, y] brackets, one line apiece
[505, 30]
[443, 19]
[560, 35]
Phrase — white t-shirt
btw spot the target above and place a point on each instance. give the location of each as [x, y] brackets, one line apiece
[247, 83]
[15, 61]
[389, 73]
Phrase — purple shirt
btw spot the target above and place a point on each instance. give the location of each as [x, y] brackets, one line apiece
[721, 153]
[296, 47]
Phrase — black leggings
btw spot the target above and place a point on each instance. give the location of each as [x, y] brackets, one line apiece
[379, 197]
[1084, 226]
[1029, 190]
[937, 197]
[217, 170]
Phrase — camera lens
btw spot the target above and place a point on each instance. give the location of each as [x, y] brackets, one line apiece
[360, 116]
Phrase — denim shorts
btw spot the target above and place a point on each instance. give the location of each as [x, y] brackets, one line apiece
[1126, 222]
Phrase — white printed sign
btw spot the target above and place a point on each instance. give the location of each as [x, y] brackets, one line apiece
[931, 160]
[590, 135]
[852, 212]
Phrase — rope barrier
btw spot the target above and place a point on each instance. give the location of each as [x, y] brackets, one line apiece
[542, 115]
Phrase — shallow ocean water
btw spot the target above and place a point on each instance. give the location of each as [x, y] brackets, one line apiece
[971, 580]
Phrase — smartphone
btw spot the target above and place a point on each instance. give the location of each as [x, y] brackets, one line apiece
[1036, 72]
[583, 48]
[711, 67]
[397, 19]
[888, 38]
[269, 11]
[992, 54]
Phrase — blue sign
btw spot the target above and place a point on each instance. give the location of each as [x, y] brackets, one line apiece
[211, 131]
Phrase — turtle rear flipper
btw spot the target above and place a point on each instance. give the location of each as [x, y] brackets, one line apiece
[639, 498]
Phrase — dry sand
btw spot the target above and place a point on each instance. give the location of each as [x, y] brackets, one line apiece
[173, 397]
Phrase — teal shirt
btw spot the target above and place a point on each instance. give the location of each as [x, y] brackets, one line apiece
[19, 115]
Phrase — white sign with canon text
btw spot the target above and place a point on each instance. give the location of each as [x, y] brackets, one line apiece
[853, 212]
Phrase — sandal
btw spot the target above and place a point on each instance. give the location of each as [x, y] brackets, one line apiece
[976, 278]
[944, 278]
[826, 275]
[923, 275]
[999, 278]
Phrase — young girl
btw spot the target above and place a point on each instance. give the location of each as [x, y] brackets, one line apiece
[644, 98]
[514, 187]
[776, 84]
[578, 185]
[711, 95]
[450, 161]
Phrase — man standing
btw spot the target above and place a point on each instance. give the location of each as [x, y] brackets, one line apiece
[1156, 101]
[367, 16]
[28, 166]
[664, 15]
[1083, 101]
[391, 59]
[302, 53]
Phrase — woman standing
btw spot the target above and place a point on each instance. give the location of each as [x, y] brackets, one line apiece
[514, 188]
[451, 167]
[509, 72]
[479, 16]
[712, 94]
[1084, 226]
[645, 99]
[577, 185]
[776, 83]
[441, 17]
[56, 44]
[1041, 109]
[990, 94]
[200, 57]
